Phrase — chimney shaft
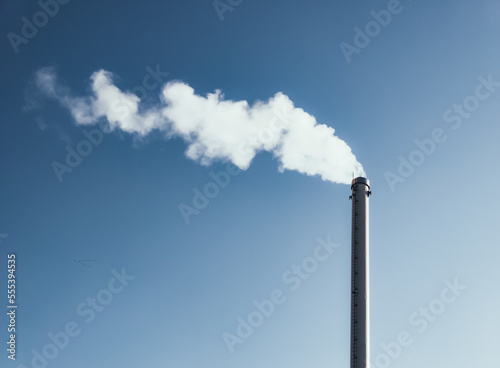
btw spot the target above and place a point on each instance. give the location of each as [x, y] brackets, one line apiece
[360, 283]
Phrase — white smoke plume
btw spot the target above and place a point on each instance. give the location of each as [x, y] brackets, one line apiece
[215, 128]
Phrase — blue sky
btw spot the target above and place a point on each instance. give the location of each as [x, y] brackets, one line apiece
[431, 225]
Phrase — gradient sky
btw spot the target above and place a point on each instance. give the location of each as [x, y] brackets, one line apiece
[192, 281]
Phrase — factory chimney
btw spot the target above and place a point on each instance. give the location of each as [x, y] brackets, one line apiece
[360, 283]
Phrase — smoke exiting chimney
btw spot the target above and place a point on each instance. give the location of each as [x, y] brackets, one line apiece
[215, 129]
[360, 283]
